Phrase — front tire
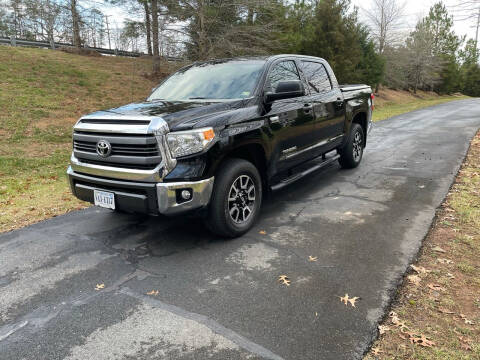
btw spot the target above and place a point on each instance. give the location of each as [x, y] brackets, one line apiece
[236, 199]
[351, 154]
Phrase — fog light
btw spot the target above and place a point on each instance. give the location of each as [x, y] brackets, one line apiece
[186, 194]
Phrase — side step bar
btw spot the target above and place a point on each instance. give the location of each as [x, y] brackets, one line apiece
[304, 173]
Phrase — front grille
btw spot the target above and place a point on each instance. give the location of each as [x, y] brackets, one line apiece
[125, 149]
[128, 151]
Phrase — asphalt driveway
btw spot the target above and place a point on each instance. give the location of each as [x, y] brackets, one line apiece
[220, 299]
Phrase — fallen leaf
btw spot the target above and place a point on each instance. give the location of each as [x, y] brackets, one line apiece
[467, 321]
[414, 279]
[100, 287]
[397, 322]
[312, 258]
[345, 299]
[450, 276]
[376, 351]
[262, 232]
[283, 279]
[419, 269]
[444, 261]
[153, 292]
[436, 287]
[438, 249]
[382, 329]
[465, 343]
[445, 311]
[421, 340]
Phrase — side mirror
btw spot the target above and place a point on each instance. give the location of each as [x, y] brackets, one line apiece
[286, 90]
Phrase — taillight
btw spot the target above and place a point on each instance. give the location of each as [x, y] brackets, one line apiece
[372, 98]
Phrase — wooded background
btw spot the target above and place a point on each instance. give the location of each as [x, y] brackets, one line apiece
[428, 57]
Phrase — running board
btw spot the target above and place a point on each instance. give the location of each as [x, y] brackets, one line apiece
[304, 173]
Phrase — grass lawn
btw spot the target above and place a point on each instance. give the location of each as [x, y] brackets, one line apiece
[44, 92]
[42, 95]
[440, 297]
[391, 103]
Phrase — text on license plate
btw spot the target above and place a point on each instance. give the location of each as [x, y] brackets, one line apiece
[104, 199]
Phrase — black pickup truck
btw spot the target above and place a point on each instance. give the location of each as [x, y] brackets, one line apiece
[215, 136]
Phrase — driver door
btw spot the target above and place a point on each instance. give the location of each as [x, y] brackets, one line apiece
[291, 121]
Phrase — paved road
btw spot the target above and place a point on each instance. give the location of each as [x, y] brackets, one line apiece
[220, 299]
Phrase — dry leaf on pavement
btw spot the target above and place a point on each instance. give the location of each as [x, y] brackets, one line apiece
[262, 232]
[312, 258]
[100, 287]
[153, 292]
[283, 279]
[345, 299]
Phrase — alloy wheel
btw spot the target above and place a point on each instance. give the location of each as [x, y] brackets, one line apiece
[241, 199]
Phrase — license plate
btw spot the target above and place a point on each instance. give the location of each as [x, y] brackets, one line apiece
[104, 199]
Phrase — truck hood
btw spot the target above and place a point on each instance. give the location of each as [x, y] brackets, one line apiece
[181, 115]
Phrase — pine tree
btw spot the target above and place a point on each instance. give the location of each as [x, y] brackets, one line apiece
[335, 37]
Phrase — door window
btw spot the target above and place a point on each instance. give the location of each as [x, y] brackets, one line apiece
[317, 77]
[282, 71]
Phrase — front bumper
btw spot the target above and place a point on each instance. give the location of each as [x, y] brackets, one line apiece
[141, 197]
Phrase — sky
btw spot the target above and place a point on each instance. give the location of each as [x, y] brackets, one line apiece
[417, 9]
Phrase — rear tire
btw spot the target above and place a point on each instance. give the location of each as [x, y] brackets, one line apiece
[236, 199]
[351, 154]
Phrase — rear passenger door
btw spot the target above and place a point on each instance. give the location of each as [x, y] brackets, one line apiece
[291, 120]
[327, 100]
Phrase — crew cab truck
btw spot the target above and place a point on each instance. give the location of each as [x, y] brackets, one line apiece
[215, 136]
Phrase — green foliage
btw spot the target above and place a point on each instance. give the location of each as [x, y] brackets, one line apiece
[335, 38]
[330, 29]
[371, 67]
[472, 80]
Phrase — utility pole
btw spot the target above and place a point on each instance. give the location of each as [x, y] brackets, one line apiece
[108, 31]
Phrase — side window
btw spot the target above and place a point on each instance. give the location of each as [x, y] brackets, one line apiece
[282, 71]
[317, 77]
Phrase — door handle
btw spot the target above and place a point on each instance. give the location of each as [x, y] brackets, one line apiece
[274, 119]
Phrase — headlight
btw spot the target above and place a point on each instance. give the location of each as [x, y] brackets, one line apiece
[183, 143]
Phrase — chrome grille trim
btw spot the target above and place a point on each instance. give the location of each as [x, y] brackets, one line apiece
[143, 145]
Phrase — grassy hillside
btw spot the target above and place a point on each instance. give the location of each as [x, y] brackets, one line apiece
[395, 102]
[44, 92]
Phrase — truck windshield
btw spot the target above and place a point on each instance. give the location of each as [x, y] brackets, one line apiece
[223, 80]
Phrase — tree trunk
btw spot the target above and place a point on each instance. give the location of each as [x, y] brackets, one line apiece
[148, 27]
[202, 42]
[156, 52]
[77, 41]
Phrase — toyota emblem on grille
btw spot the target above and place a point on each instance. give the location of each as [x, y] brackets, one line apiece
[104, 148]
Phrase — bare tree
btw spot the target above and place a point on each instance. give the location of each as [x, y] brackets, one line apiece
[384, 17]
[468, 10]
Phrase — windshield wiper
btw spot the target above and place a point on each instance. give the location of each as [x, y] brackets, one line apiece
[197, 98]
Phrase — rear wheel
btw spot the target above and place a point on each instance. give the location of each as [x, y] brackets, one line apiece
[236, 199]
[351, 154]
